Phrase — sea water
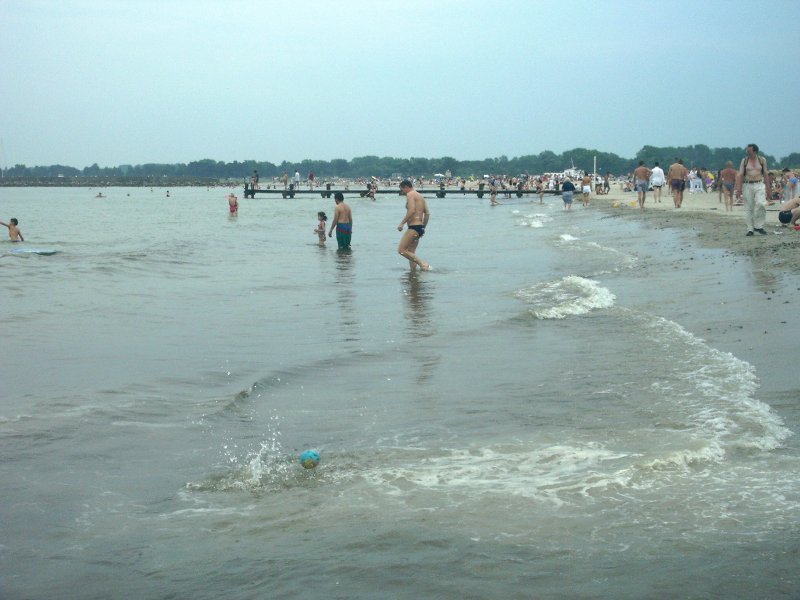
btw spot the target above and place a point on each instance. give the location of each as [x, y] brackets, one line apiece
[568, 405]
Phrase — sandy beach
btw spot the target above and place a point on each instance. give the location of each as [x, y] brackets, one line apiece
[715, 227]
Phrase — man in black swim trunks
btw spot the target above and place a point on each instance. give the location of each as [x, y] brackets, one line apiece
[417, 215]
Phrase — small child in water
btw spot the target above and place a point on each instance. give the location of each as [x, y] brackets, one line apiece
[320, 230]
[233, 204]
[13, 231]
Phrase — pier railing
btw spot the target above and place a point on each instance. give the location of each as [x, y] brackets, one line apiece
[250, 191]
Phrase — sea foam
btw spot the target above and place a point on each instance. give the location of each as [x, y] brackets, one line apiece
[569, 296]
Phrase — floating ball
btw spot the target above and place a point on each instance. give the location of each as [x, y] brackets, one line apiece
[309, 459]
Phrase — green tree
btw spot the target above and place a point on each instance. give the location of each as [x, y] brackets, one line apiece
[549, 162]
[791, 162]
[338, 167]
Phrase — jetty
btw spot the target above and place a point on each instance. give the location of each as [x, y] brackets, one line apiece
[250, 191]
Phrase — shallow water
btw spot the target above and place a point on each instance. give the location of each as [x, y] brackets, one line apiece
[568, 405]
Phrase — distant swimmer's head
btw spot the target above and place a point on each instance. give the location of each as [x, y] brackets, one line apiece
[785, 216]
[406, 184]
[339, 197]
[14, 221]
[322, 216]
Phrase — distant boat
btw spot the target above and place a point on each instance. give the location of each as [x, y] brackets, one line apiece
[572, 172]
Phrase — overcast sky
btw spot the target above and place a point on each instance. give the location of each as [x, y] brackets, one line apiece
[171, 81]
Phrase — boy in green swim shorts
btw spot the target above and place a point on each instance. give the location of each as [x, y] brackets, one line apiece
[342, 222]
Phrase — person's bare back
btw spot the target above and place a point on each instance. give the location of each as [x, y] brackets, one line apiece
[13, 231]
[642, 173]
[343, 214]
[677, 171]
[342, 222]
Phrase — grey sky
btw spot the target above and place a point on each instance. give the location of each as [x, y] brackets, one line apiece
[136, 81]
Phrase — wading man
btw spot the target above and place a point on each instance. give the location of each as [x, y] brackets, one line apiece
[342, 222]
[417, 215]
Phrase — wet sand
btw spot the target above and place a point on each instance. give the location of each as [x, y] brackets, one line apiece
[713, 226]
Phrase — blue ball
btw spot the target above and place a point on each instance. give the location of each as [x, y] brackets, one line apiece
[309, 459]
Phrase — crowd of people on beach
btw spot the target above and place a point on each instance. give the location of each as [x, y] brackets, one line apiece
[752, 186]
[780, 186]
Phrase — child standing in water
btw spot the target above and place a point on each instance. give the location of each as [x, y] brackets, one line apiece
[320, 230]
[233, 204]
[13, 231]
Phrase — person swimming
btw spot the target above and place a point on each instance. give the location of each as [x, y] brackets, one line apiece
[13, 231]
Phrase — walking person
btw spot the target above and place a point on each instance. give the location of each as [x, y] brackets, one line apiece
[586, 188]
[750, 184]
[641, 181]
[567, 193]
[677, 176]
[657, 180]
[727, 178]
[417, 215]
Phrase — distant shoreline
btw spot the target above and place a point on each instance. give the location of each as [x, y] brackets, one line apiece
[93, 182]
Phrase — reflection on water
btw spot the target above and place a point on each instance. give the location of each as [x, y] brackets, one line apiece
[764, 277]
[346, 295]
[344, 266]
[418, 290]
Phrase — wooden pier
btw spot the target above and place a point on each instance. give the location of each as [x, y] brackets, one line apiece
[441, 192]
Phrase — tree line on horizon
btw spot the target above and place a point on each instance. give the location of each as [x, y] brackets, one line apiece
[698, 155]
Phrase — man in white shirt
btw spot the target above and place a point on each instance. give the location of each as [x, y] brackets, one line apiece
[657, 180]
